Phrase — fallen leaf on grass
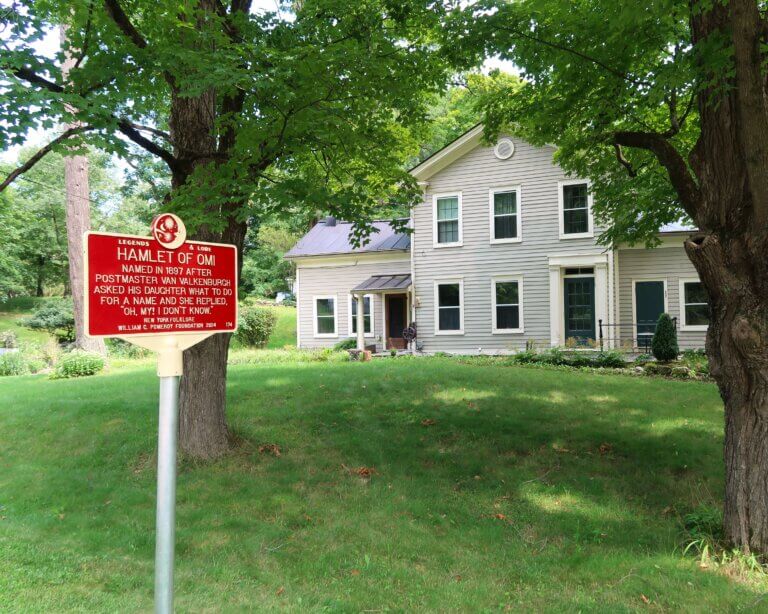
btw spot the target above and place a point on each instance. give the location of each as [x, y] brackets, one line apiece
[270, 448]
[645, 599]
[457, 578]
[280, 591]
[362, 472]
[428, 422]
[499, 516]
[605, 448]
[354, 572]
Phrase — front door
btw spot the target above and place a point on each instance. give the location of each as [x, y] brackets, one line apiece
[649, 305]
[579, 309]
[397, 306]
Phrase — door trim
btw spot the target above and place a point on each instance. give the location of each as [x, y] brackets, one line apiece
[564, 280]
[636, 333]
[386, 297]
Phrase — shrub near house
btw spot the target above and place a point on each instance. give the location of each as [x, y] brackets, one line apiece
[255, 325]
[664, 343]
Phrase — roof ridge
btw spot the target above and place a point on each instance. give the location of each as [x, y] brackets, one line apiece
[372, 221]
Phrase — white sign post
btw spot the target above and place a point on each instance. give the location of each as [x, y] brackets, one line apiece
[165, 294]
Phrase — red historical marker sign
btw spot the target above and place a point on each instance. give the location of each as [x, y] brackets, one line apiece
[160, 285]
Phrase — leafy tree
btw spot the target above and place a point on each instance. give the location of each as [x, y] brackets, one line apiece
[664, 105]
[14, 276]
[244, 108]
[664, 343]
[459, 108]
[33, 219]
[265, 271]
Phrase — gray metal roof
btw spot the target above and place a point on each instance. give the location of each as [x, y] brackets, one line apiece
[384, 282]
[677, 227]
[326, 239]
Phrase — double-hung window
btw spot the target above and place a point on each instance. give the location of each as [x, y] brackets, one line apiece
[324, 316]
[506, 297]
[447, 216]
[694, 307]
[505, 215]
[449, 307]
[575, 210]
[367, 314]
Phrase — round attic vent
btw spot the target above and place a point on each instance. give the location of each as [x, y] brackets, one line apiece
[504, 149]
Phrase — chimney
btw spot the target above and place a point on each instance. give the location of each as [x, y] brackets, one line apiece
[330, 221]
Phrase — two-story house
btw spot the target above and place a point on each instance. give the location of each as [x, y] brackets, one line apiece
[503, 251]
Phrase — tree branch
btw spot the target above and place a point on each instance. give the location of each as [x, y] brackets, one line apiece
[128, 129]
[40, 154]
[624, 162]
[161, 133]
[583, 56]
[117, 14]
[125, 126]
[32, 77]
[86, 36]
[682, 180]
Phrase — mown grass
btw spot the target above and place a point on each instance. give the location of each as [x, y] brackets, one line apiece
[285, 330]
[12, 322]
[490, 488]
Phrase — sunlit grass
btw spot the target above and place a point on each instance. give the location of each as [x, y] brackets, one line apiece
[12, 322]
[490, 488]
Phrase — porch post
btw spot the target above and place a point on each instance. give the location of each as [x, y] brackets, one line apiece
[360, 298]
[555, 304]
[601, 293]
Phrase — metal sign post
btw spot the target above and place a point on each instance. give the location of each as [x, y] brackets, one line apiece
[167, 429]
[165, 294]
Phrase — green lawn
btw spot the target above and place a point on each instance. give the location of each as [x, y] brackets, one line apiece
[285, 331]
[11, 321]
[506, 501]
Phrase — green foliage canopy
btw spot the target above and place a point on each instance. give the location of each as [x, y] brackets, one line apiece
[592, 70]
[310, 105]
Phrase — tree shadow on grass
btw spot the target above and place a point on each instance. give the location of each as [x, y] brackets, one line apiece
[534, 487]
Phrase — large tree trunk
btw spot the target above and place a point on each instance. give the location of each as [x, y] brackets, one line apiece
[78, 208]
[737, 346]
[203, 431]
[731, 256]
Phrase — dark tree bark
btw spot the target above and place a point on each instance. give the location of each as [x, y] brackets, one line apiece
[723, 186]
[203, 431]
[40, 265]
[731, 256]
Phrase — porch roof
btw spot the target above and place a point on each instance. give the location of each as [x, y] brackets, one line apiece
[379, 283]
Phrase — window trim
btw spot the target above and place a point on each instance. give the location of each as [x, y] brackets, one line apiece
[435, 198]
[495, 330]
[561, 210]
[684, 326]
[445, 282]
[335, 332]
[517, 189]
[351, 317]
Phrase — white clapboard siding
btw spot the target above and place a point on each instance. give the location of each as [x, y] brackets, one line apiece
[477, 260]
[337, 280]
[662, 263]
